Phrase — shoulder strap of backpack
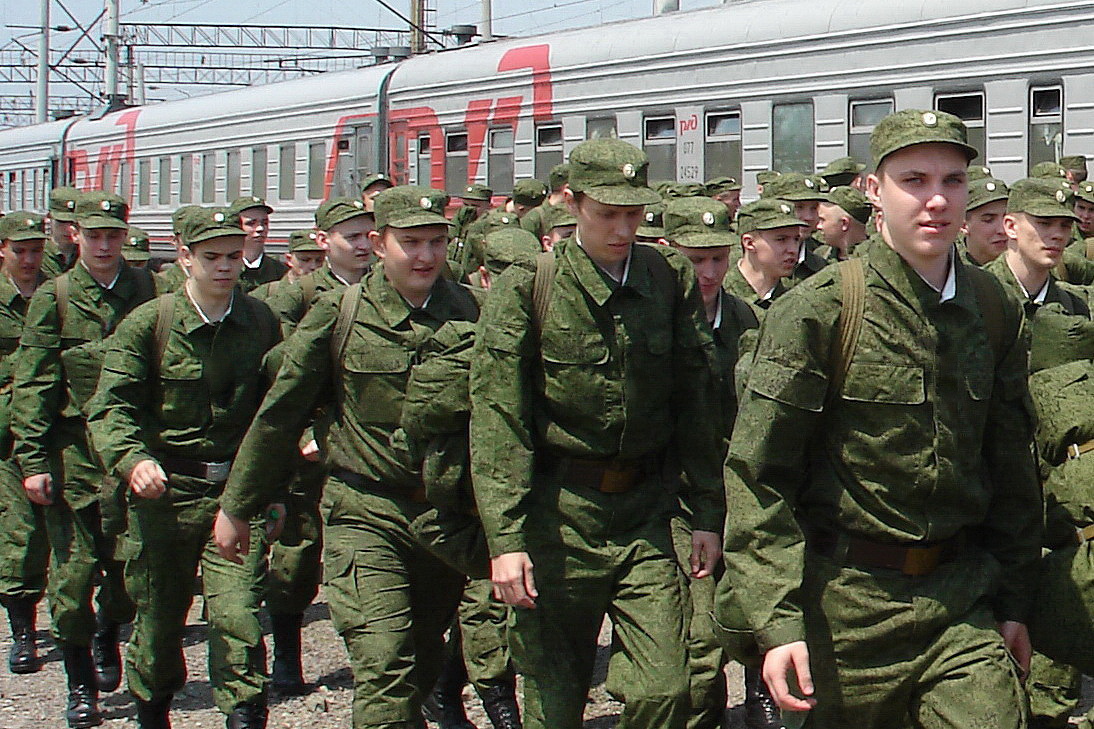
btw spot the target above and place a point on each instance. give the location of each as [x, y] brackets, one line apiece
[165, 319]
[347, 312]
[853, 291]
[1090, 248]
[61, 282]
[992, 309]
[544, 281]
[307, 286]
[1061, 271]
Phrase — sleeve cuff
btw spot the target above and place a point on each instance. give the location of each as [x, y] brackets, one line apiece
[507, 543]
[773, 636]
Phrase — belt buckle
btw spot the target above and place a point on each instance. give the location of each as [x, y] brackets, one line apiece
[921, 561]
[617, 480]
[217, 472]
[1073, 452]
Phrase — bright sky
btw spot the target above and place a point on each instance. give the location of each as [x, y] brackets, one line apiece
[511, 17]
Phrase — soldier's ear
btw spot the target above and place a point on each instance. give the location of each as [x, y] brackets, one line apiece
[322, 239]
[873, 185]
[547, 244]
[379, 242]
[1010, 226]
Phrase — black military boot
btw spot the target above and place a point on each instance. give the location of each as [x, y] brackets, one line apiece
[288, 675]
[761, 711]
[155, 714]
[108, 657]
[83, 694]
[250, 715]
[23, 657]
[500, 704]
[445, 705]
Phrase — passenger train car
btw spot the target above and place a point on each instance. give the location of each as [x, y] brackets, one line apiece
[735, 89]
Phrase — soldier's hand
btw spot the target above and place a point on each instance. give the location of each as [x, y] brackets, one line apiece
[706, 550]
[1016, 637]
[310, 452]
[275, 521]
[232, 536]
[147, 479]
[39, 488]
[778, 665]
[511, 574]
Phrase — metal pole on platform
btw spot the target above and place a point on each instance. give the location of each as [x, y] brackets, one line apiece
[111, 38]
[487, 20]
[41, 100]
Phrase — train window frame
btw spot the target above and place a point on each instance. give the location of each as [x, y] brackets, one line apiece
[797, 160]
[186, 179]
[976, 127]
[260, 171]
[424, 151]
[715, 142]
[286, 172]
[1035, 120]
[144, 182]
[595, 128]
[858, 134]
[549, 152]
[163, 181]
[317, 169]
[232, 175]
[456, 158]
[208, 178]
[499, 160]
[660, 147]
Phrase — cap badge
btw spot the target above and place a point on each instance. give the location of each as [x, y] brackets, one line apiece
[505, 220]
[218, 217]
[470, 189]
[930, 118]
[649, 217]
[30, 222]
[70, 204]
[358, 204]
[256, 199]
[1088, 188]
[105, 205]
[426, 203]
[785, 209]
[1061, 196]
[311, 236]
[708, 218]
[809, 183]
[990, 187]
[628, 171]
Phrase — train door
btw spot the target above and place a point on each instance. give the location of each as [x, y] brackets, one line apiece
[356, 161]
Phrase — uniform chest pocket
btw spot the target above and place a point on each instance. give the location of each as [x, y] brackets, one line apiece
[979, 384]
[182, 391]
[881, 383]
[375, 382]
[567, 347]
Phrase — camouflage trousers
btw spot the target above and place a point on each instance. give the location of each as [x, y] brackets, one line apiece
[24, 546]
[168, 540]
[706, 657]
[390, 599]
[482, 630]
[296, 556]
[597, 554]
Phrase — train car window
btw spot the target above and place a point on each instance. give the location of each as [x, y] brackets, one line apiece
[792, 137]
[969, 108]
[36, 185]
[365, 157]
[144, 182]
[286, 172]
[500, 161]
[231, 177]
[722, 154]
[186, 179]
[11, 192]
[601, 128]
[259, 171]
[1046, 124]
[317, 169]
[425, 161]
[659, 143]
[549, 150]
[163, 182]
[455, 167]
[208, 177]
[864, 117]
[124, 183]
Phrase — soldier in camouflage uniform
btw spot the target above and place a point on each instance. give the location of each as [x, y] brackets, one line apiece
[984, 236]
[887, 516]
[171, 276]
[372, 186]
[726, 190]
[1075, 168]
[805, 193]
[60, 253]
[137, 248]
[770, 235]
[303, 257]
[254, 218]
[842, 222]
[844, 172]
[558, 182]
[24, 548]
[569, 465]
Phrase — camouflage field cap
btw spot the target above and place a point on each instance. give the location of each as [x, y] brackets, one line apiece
[1085, 192]
[205, 224]
[62, 204]
[410, 206]
[477, 192]
[985, 190]
[698, 222]
[304, 241]
[653, 221]
[377, 178]
[1048, 171]
[842, 171]
[978, 172]
[767, 214]
[137, 246]
[246, 203]
[678, 190]
[1043, 198]
[557, 216]
[22, 225]
[853, 202]
[612, 172]
[1074, 163]
[722, 184]
[505, 246]
[529, 192]
[910, 127]
[178, 217]
[338, 210]
[763, 177]
[100, 209]
[796, 187]
[559, 176]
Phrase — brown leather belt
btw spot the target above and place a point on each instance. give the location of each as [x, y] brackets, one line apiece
[608, 476]
[359, 482]
[911, 560]
[214, 471]
[1075, 450]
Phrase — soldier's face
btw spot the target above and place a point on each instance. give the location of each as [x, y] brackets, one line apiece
[63, 233]
[1075, 177]
[348, 246]
[607, 232]
[101, 248]
[775, 251]
[413, 258]
[557, 233]
[710, 265]
[984, 234]
[304, 262]
[1038, 242]
[214, 265]
[22, 259]
[807, 212]
[256, 224]
[1085, 211]
[921, 191]
[830, 222]
[731, 199]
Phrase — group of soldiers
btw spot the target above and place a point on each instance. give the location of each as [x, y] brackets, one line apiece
[836, 434]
